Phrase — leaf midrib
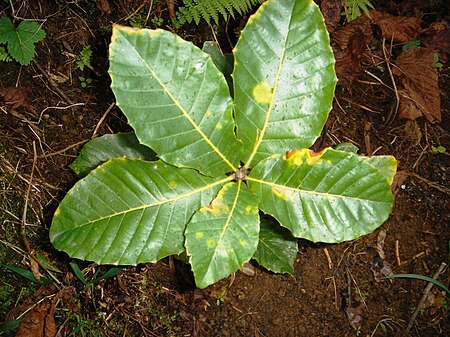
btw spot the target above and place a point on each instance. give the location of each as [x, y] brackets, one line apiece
[313, 192]
[157, 203]
[270, 108]
[181, 108]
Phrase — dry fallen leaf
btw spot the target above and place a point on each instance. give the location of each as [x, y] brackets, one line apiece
[331, 11]
[38, 322]
[380, 269]
[413, 132]
[103, 5]
[417, 71]
[437, 37]
[355, 315]
[349, 44]
[399, 181]
[14, 97]
[400, 29]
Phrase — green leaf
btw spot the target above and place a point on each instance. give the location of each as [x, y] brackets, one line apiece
[128, 211]
[387, 165]
[78, 273]
[222, 236]
[26, 273]
[113, 271]
[223, 62]
[277, 248]
[284, 79]
[175, 98]
[10, 325]
[420, 277]
[347, 147]
[101, 149]
[44, 261]
[331, 196]
[21, 40]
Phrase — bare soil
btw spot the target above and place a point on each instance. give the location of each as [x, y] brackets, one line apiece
[333, 292]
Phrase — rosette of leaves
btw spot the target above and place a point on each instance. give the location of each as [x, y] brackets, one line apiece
[222, 160]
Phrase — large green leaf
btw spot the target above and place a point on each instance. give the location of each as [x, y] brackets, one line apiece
[101, 149]
[128, 211]
[175, 98]
[330, 196]
[277, 248]
[222, 236]
[284, 79]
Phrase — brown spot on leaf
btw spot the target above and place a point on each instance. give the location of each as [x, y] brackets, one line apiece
[417, 71]
[316, 154]
[290, 153]
[400, 29]
[349, 44]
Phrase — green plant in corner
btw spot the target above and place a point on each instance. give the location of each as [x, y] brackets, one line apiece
[221, 159]
[21, 40]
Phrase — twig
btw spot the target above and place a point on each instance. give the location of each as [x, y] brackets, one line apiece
[392, 114]
[330, 263]
[136, 11]
[397, 253]
[25, 207]
[424, 297]
[52, 83]
[102, 119]
[63, 150]
[431, 183]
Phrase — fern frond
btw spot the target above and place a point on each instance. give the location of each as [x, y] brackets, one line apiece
[211, 10]
[354, 7]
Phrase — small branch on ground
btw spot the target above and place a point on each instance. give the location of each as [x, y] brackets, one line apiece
[25, 207]
[52, 83]
[424, 297]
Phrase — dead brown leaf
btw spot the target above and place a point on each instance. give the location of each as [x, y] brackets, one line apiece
[400, 29]
[14, 97]
[398, 182]
[103, 5]
[437, 37]
[171, 8]
[355, 315]
[38, 322]
[331, 11]
[417, 71]
[349, 44]
[413, 132]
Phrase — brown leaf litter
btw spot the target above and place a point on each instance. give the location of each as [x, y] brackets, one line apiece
[15, 97]
[417, 71]
[331, 11]
[437, 37]
[349, 44]
[401, 29]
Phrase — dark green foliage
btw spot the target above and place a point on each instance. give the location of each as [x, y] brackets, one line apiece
[195, 10]
[20, 40]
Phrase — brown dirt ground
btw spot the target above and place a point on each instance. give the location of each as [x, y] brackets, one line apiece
[159, 300]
